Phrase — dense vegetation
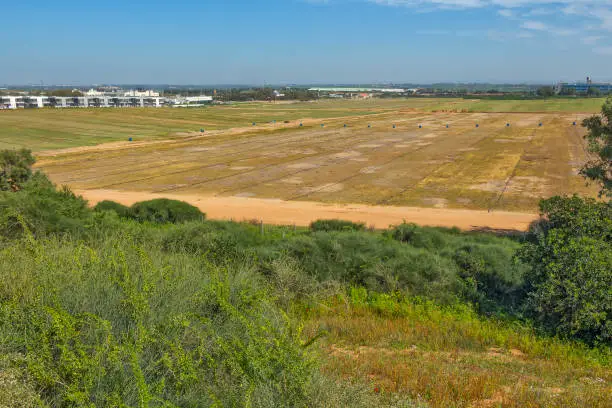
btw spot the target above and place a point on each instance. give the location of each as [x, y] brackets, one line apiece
[160, 210]
[153, 305]
[102, 307]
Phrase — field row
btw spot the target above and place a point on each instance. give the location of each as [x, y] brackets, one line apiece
[45, 129]
[487, 167]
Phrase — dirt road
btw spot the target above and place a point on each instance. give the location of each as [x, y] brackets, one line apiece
[302, 213]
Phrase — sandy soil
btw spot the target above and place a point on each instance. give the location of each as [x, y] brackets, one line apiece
[302, 213]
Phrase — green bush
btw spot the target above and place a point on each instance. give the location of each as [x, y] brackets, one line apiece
[420, 237]
[371, 260]
[120, 209]
[570, 275]
[120, 324]
[15, 168]
[494, 279]
[336, 225]
[43, 209]
[163, 210]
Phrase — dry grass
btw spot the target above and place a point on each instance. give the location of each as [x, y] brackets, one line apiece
[61, 128]
[489, 167]
[451, 358]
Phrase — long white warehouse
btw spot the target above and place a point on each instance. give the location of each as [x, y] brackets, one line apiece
[16, 102]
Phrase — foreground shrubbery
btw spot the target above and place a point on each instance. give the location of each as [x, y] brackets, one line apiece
[154, 305]
[161, 210]
[570, 279]
[121, 323]
[336, 225]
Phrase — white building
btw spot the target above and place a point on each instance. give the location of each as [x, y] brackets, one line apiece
[182, 101]
[17, 102]
[140, 94]
[94, 92]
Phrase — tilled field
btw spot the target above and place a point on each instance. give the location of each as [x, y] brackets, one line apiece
[379, 159]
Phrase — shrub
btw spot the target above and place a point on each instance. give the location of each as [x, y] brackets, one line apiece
[419, 237]
[43, 209]
[163, 210]
[120, 324]
[15, 168]
[336, 225]
[494, 279]
[120, 209]
[371, 260]
[570, 275]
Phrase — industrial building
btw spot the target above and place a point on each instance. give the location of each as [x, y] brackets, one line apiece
[583, 87]
[358, 90]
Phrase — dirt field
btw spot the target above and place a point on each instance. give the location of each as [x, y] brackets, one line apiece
[302, 213]
[492, 167]
[46, 129]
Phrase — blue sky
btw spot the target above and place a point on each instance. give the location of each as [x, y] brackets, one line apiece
[304, 41]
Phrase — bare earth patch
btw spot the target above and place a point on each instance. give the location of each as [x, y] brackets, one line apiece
[436, 202]
[302, 166]
[279, 212]
[369, 169]
[346, 155]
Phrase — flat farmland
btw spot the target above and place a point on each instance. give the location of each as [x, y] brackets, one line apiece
[381, 158]
[47, 129]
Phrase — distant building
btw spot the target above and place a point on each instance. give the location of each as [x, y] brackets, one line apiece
[17, 102]
[358, 90]
[94, 92]
[182, 101]
[583, 87]
[138, 94]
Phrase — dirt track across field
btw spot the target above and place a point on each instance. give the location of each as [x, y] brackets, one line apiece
[302, 213]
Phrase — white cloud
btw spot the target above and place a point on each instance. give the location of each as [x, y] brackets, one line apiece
[588, 20]
[524, 34]
[591, 40]
[534, 25]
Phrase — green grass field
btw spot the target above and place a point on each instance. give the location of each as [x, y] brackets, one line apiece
[57, 128]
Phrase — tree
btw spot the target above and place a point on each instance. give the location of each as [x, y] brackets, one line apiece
[545, 91]
[599, 138]
[15, 168]
[569, 284]
[593, 91]
[569, 251]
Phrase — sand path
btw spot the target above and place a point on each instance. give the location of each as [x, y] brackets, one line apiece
[302, 213]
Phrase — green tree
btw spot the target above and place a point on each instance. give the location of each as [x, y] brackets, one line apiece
[569, 283]
[15, 168]
[593, 91]
[599, 138]
[545, 91]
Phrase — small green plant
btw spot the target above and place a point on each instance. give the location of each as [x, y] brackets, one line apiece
[336, 225]
[120, 209]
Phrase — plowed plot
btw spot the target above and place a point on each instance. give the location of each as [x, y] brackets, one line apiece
[491, 166]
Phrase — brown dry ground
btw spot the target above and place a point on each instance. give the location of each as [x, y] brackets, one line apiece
[491, 167]
[442, 357]
[302, 213]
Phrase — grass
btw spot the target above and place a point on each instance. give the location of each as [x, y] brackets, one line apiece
[450, 357]
[97, 309]
[59, 128]
[489, 167]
